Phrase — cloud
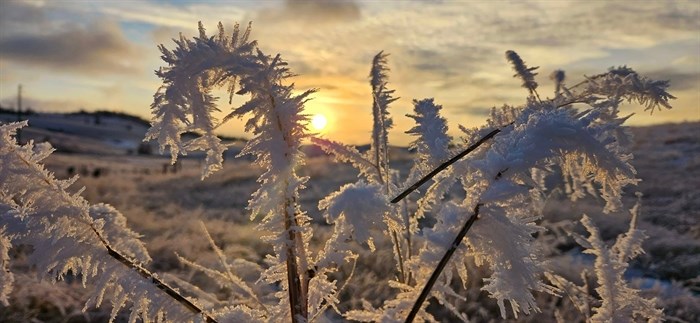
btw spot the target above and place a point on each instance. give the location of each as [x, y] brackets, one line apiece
[94, 48]
[312, 12]
[181, 15]
[680, 81]
[21, 16]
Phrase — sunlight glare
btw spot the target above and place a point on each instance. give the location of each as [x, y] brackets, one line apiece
[318, 122]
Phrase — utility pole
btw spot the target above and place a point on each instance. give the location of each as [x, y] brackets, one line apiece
[19, 112]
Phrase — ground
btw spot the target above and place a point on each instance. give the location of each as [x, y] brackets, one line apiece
[165, 203]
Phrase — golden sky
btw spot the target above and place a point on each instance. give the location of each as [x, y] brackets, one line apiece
[101, 54]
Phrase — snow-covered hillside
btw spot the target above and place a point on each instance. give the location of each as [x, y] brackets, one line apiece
[97, 133]
[84, 133]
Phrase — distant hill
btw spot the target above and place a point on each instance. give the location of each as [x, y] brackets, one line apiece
[118, 133]
[99, 132]
[85, 132]
[114, 133]
[104, 113]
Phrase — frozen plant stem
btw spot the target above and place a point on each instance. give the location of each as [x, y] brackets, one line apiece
[394, 236]
[407, 223]
[298, 285]
[155, 281]
[444, 165]
[441, 265]
[297, 302]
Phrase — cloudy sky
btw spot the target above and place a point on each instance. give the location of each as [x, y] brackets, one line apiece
[101, 54]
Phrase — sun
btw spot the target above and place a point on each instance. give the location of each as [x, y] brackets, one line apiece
[319, 122]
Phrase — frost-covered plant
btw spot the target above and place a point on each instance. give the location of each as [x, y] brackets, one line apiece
[619, 301]
[71, 237]
[381, 98]
[184, 102]
[278, 124]
[6, 277]
[491, 219]
[502, 181]
[432, 142]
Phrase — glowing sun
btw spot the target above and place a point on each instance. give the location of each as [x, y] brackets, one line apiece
[319, 122]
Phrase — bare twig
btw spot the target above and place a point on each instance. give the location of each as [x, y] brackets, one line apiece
[154, 280]
[444, 165]
[441, 265]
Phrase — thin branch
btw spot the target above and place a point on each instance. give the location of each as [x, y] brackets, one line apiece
[571, 102]
[297, 302]
[235, 280]
[154, 280]
[395, 237]
[407, 223]
[441, 265]
[326, 304]
[537, 95]
[444, 165]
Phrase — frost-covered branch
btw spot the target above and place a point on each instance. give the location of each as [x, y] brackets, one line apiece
[344, 153]
[279, 125]
[432, 143]
[620, 83]
[588, 147]
[276, 120]
[69, 235]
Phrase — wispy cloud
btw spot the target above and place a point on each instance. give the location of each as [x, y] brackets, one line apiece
[21, 17]
[309, 13]
[94, 49]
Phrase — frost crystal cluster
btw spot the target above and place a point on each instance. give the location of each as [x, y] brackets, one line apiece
[476, 199]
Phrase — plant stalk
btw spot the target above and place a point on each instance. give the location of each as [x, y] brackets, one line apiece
[444, 165]
[395, 237]
[442, 264]
[297, 284]
[297, 302]
[154, 280]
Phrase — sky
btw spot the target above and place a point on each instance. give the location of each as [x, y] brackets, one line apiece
[101, 55]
